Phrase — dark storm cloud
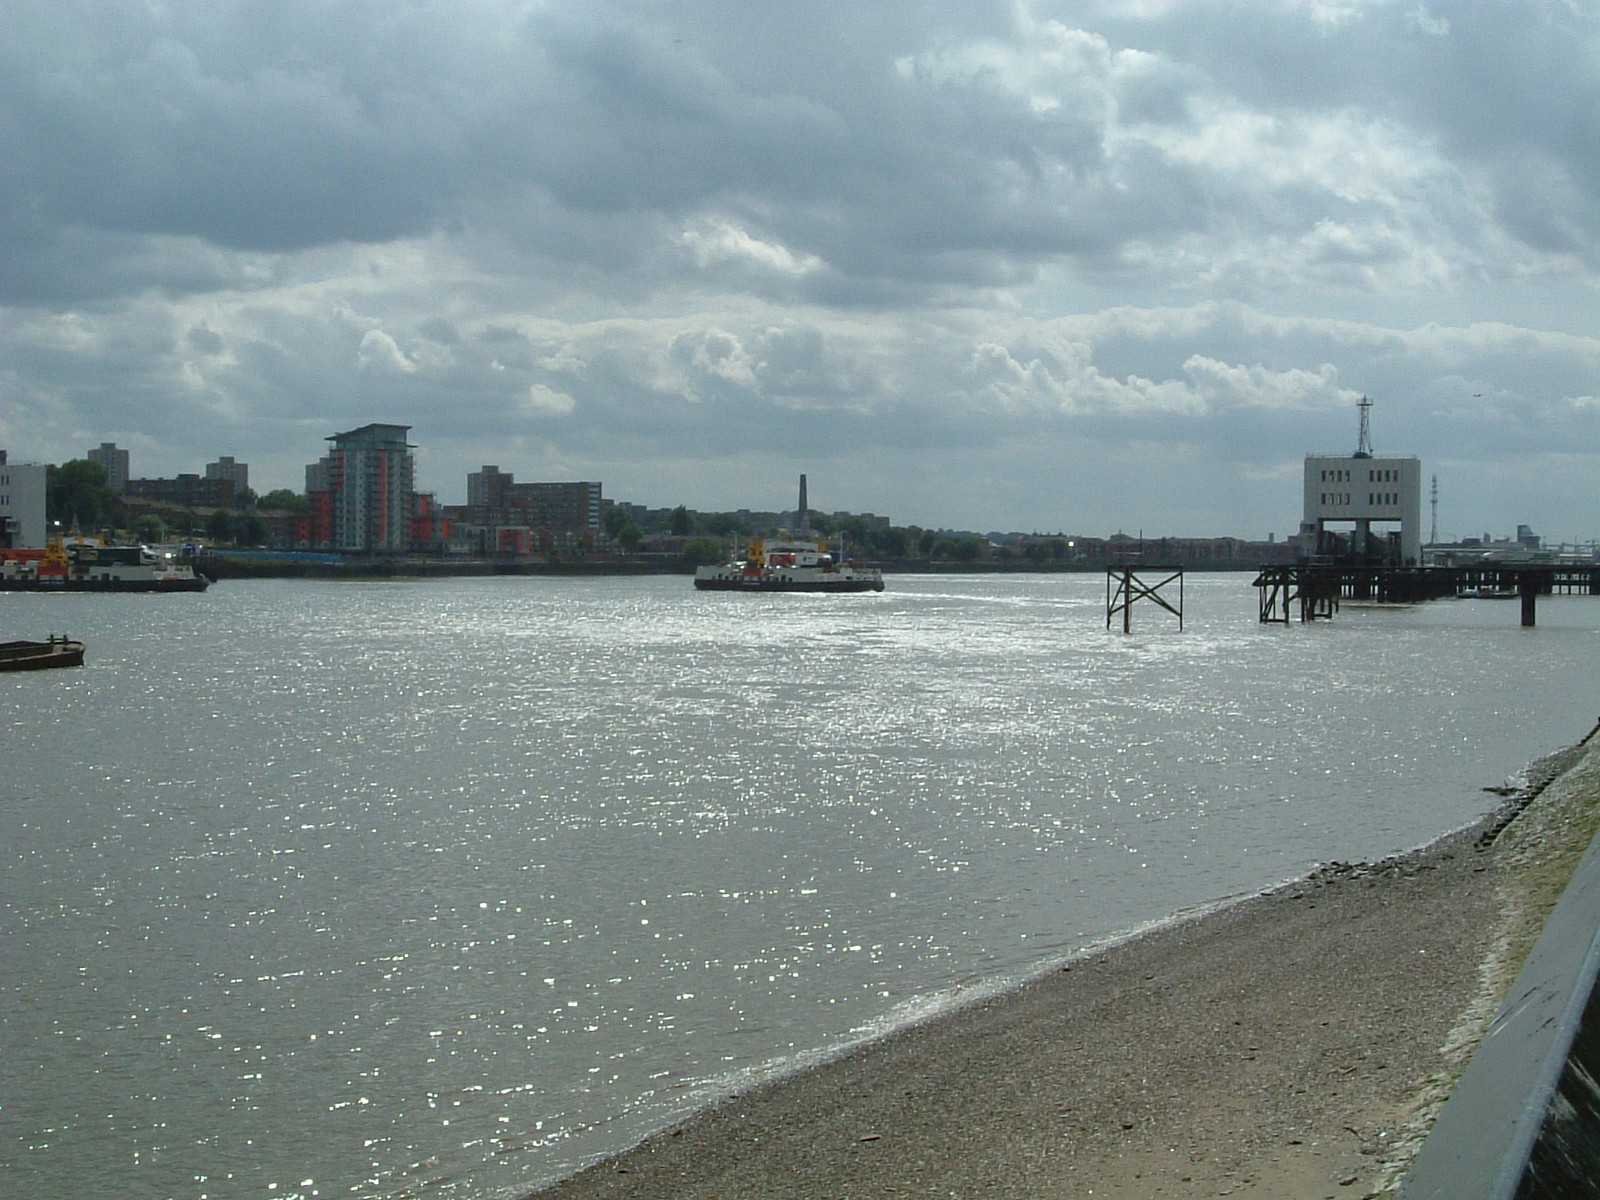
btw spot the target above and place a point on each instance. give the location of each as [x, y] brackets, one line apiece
[254, 127]
[965, 153]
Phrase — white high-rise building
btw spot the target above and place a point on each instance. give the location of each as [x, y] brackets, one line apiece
[369, 472]
[22, 507]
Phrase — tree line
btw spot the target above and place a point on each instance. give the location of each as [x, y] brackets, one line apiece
[709, 533]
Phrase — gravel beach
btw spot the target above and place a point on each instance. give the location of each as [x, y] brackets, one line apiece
[1290, 1045]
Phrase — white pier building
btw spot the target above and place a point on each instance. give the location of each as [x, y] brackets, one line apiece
[1362, 493]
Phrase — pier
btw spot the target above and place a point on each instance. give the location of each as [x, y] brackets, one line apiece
[1316, 589]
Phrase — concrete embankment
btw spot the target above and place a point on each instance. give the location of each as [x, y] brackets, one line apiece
[1524, 1118]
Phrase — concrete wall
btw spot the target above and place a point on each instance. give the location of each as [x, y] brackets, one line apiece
[1384, 491]
[22, 493]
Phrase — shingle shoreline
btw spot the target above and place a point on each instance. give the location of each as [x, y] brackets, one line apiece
[1291, 1045]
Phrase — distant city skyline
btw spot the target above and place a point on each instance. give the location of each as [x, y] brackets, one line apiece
[999, 264]
[226, 467]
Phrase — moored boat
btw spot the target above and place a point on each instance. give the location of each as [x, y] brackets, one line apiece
[798, 562]
[37, 656]
[789, 564]
[84, 565]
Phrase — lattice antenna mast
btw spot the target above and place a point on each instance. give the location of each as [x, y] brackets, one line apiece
[1364, 440]
[1433, 532]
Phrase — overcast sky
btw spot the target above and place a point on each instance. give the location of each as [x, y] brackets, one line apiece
[996, 266]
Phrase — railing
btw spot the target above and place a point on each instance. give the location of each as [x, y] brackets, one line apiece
[1523, 1122]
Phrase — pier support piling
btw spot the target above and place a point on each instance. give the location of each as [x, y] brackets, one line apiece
[1124, 585]
[1319, 587]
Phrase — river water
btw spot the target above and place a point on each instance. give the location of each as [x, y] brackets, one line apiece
[437, 889]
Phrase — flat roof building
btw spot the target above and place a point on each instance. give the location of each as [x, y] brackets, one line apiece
[366, 480]
[496, 498]
[226, 468]
[22, 505]
[185, 491]
[114, 463]
[1361, 492]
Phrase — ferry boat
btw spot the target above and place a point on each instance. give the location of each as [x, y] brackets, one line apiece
[798, 562]
[84, 565]
[795, 563]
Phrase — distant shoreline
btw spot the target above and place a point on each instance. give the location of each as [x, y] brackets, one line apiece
[220, 567]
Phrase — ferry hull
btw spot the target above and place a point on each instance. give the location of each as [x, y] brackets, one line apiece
[778, 583]
[89, 566]
[198, 583]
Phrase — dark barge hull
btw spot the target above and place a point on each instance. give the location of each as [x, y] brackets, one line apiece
[39, 656]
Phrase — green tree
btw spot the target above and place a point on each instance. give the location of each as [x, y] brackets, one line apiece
[703, 550]
[249, 529]
[853, 528]
[76, 496]
[682, 524]
[629, 537]
[890, 542]
[150, 528]
[283, 500]
[220, 525]
[967, 549]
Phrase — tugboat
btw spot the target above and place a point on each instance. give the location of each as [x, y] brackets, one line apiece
[87, 566]
[793, 563]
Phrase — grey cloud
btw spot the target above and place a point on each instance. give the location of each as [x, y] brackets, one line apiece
[438, 329]
[999, 239]
[209, 137]
[206, 341]
[902, 158]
